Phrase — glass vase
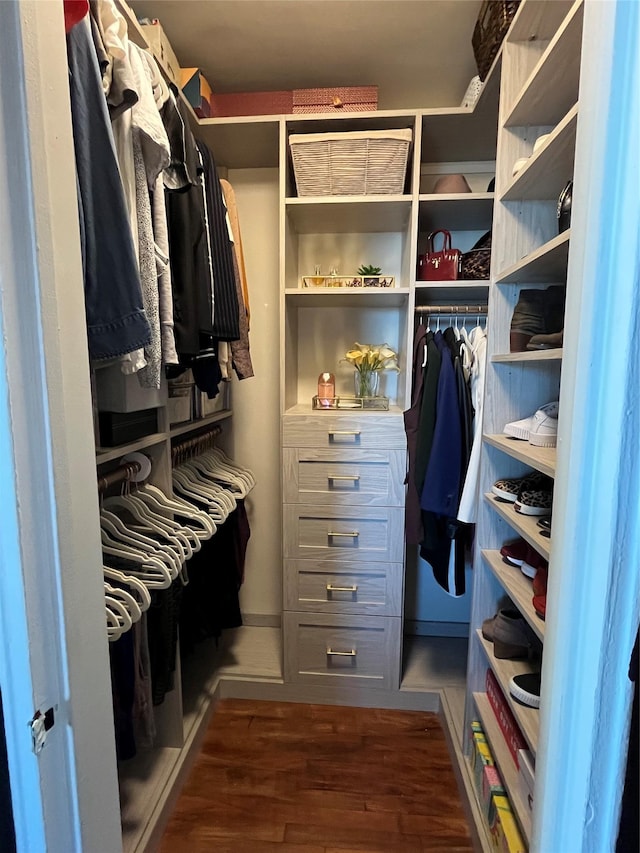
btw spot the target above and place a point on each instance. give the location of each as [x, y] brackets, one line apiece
[366, 383]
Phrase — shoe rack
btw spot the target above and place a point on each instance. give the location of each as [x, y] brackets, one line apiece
[539, 95]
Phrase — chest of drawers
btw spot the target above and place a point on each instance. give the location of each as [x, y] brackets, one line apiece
[343, 485]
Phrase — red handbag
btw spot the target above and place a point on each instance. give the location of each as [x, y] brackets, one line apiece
[439, 266]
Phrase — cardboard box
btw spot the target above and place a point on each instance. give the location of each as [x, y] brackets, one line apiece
[161, 49]
[503, 829]
[197, 91]
[526, 776]
[252, 104]
[346, 99]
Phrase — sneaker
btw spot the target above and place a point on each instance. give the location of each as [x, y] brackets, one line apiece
[540, 592]
[533, 563]
[525, 689]
[514, 552]
[508, 489]
[534, 502]
[541, 429]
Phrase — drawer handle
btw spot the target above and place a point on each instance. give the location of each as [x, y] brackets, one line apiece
[354, 432]
[350, 654]
[354, 477]
[353, 534]
[332, 588]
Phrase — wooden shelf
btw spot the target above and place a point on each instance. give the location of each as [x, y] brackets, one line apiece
[518, 587]
[528, 719]
[451, 292]
[108, 454]
[191, 426]
[241, 142]
[348, 297]
[134, 30]
[545, 265]
[524, 525]
[461, 135]
[541, 458]
[548, 170]
[349, 214]
[339, 121]
[530, 355]
[539, 20]
[305, 409]
[504, 760]
[553, 84]
[455, 211]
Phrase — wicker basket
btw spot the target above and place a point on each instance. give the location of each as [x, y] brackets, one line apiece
[494, 19]
[370, 162]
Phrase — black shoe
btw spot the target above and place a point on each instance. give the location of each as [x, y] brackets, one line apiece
[525, 689]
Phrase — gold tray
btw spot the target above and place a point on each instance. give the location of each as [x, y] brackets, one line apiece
[328, 404]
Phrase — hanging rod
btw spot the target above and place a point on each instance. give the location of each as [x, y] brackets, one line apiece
[451, 309]
[195, 445]
[123, 474]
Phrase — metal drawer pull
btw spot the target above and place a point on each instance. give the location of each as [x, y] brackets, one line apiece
[332, 588]
[353, 535]
[350, 654]
[344, 432]
[354, 477]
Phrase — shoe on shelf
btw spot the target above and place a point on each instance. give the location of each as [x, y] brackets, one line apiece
[534, 502]
[544, 523]
[510, 634]
[525, 689]
[552, 341]
[540, 429]
[514, 552]
[533, 563]
[540, 592]
[509, 488]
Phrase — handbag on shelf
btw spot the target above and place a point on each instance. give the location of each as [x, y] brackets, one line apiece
[440, 265]
[476, 263]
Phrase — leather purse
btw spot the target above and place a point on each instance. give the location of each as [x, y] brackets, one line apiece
[440, 265]
[475, 264]
[564, 207]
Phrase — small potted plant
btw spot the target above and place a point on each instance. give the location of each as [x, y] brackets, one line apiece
[371, 277]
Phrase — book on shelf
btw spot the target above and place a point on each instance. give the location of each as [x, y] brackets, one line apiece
[507, 722]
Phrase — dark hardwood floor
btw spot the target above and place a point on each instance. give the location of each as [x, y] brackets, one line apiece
[295, 778]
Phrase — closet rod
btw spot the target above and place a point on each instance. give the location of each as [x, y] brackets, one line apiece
[451, 309]
[123, 474]
[194, 446]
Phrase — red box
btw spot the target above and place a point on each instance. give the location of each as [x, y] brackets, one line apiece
[252, 104]
[507, 722]
[346, 99]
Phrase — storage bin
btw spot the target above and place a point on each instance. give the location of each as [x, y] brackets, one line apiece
[122, 427]
[370, 162]
[347, 99]
[252, 104]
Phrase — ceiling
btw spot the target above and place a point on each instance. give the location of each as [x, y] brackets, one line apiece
[418, 52]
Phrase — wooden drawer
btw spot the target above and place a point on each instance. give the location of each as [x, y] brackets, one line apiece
[361, 650]
[339, 477]
[326, 586]
[363, 431]
[342, 533]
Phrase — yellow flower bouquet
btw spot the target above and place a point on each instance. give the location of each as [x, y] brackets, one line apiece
[369, 360]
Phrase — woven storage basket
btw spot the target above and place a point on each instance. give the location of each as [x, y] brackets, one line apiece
[494, 19]
[370, 162]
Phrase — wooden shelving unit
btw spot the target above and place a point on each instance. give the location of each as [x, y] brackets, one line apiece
[547, 264]
[523, 525]
[518, 587]
[541, 458]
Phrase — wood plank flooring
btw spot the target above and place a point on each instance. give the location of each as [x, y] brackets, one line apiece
[293, 778]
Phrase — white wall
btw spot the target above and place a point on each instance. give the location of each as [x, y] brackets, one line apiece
[256, 421]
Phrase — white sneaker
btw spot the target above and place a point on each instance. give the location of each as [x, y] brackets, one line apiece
[540, 430]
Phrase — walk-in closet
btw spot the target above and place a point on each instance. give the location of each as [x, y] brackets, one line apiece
[204, 505]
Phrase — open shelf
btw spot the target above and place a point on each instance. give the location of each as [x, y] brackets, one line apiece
[545, 265]
[455, 211]
[241, 142]
[454, 292]
[524, 525]
[530, 355]
[528, 719]
[553, 84]
[504, 760]
[108, 454]
[349, 214]
[541, 458]
[538, 21]
[347, 297]
[518, 587]
[191, 426]
[548, 170]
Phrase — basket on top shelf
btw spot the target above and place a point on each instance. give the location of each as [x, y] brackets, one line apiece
[371, 162]
[494, 19]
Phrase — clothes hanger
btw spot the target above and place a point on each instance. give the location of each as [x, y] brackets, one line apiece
[167, 527]
[208, 475]
[122, 614]
[187, 483]
[138, 510]
[127, 600]
[137, 544]
[203, 529]
[223, 460]
[114, 630]
[144, 598]
[151, 570]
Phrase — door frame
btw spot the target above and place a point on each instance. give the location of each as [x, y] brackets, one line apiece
[53, 646]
